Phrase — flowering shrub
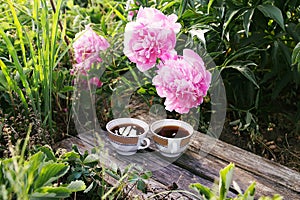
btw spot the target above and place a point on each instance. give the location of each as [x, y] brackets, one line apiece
[182, 80]
[150, 41]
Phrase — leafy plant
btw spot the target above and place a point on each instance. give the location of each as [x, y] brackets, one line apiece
[46, 175]
[35, 177]
[35, 46]
[225, 180]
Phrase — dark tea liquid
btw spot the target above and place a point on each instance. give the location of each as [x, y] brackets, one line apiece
[172, 132]
[122, 128]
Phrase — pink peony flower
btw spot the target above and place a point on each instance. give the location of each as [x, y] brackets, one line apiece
[154, 18]
[88, 44]
[96, 81]
[151, 36]
[183, 82]
[83, 67]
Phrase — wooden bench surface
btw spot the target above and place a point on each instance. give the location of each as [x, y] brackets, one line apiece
[200, 163]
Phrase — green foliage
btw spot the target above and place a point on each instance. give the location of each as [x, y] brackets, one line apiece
[36, 177]
[296, 56]
[35, 46]
[49, 175]
[253, 43]
[226, 175]
[139, 177]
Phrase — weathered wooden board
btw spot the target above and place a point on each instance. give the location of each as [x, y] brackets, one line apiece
[270, 176]
[202, 162]
[89, 141]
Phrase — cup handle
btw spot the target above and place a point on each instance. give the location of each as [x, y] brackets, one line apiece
[145, 140]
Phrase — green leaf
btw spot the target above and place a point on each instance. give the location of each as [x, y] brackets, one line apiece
[146, 175]
[103, 24]
[67, 89]
[12, 85]
[91, 158]
[273, 12]
[296, 56]
[70, 156]
[133, 178]
[3, 82]
[247, 20]
[76, 186]
[51, 172]
[19, 30]
[117, 12]
[229, 17]
[246, 71]
[113, 175]
[75, 175]
[226, 175]
[141, 185]
[202, 190]
[89, 188]
[168, 5]
[49, 152]
[34, 163]
[245, 51]
[14, 54]
[142, 91]
[182, 7]
[51, 192]
[249, 193]
[209, 5]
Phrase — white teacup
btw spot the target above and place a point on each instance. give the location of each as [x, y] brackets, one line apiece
[127, 135]
[171, 143]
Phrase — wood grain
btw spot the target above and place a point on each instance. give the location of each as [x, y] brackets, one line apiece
[200, 163]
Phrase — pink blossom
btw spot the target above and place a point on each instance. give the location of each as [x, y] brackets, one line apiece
[183, 82]
[83, 67]
[150, 37]
[96, 81]
[88, 44]
[154, 18]
[130, 15]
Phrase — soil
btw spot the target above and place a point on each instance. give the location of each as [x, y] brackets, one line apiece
[273, 143]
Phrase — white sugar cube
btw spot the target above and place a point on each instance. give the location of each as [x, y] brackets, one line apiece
[126, 131]
[121, 130]
[132, 133]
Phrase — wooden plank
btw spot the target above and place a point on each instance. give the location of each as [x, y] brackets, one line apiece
[167, 174]
[210, 166]
[88, 141]
[259, 166]
[202, 162]
[165, 177]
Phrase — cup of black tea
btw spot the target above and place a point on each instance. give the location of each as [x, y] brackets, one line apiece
[127, 135]
[171, 136]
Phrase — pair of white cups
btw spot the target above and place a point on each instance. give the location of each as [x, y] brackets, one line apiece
[168, 147]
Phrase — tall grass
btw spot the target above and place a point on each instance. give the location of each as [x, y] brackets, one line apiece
[33, 54]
